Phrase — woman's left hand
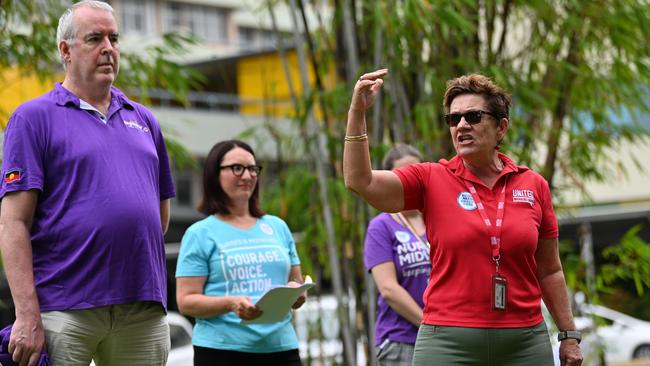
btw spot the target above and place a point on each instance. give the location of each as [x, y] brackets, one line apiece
[570, 354]
[301, 299]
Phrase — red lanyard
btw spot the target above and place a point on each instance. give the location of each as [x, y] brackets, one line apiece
[493, 230]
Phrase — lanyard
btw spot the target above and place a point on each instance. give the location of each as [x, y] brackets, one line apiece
[407, 223]
[493, 230]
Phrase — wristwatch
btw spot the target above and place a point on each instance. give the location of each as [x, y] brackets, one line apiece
[573, 334]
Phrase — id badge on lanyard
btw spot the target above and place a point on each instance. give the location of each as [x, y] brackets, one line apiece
[499, 291]
[499, 282]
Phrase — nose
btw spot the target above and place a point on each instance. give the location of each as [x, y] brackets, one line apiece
[463, 121]
[247, 174]
[107, 46]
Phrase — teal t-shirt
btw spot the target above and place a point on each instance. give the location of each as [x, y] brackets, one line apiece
[240, 262]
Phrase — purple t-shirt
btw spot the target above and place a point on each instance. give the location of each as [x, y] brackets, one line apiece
[389, 241]
[96, 235]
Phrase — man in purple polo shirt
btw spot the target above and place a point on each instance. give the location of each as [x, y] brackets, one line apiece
[85, 202]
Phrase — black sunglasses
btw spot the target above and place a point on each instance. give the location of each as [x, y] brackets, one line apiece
[238, 169]
[472, 117]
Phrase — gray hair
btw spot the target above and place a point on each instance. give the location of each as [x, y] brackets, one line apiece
[66, 30]
[397, 152]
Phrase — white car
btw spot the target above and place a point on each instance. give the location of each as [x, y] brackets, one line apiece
[318, 327]
[622, 337]
[181, 352]
[180, 334]
[618, 337]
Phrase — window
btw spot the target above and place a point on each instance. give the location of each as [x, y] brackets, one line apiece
[137, 17]
[209, 23]
[256, 38]
[246, 37]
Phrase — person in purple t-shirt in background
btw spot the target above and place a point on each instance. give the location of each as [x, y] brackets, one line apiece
[396, 253]
[85, 195]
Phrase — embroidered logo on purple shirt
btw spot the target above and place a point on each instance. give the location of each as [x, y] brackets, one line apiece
[135, 125]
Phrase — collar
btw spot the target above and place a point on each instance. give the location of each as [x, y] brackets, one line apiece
[64, 97]
[456, 166]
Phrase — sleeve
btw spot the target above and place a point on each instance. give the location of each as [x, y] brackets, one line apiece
[291, 243]
[413, 177]
[549, 227]
[165, 179]
[193, 257]
[378, 245]
[22, 153]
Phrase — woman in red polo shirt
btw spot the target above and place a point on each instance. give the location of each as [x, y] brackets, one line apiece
[492, 231]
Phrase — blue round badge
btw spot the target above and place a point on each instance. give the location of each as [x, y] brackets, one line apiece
[466, 201]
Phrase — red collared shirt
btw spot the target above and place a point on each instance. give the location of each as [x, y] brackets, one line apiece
[460, 286]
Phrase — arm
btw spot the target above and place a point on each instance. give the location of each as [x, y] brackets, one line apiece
[397, 297]
[191, 301]
[372, 185]
[296, 274]
[555, 295]
[165, 208]
[16, 215]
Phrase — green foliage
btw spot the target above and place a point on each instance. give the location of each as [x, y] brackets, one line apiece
[628, 261]
[180, 156]
[28, 42]
[28, 36]
[154, 67]
[622, 275]
[574, 69]
[573, 266]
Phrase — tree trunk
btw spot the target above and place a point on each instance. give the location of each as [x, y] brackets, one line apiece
[561, 109]
[319, 153]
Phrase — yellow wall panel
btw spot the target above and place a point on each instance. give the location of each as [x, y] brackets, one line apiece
[263, 87]
[16, 88]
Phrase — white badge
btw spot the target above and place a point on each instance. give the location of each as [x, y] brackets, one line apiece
[466, 201]
[402, 236]
[266, 228]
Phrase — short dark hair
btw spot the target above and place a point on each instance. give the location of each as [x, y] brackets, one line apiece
[215, 200]
[397, 152]
[497, 99]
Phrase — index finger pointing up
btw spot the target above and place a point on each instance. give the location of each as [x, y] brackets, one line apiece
[374, 75]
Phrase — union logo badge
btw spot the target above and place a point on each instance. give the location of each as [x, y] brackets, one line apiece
[466, 201]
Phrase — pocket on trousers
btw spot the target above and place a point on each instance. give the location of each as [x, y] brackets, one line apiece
[389, 352]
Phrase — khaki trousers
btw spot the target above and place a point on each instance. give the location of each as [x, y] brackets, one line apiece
[127, 334]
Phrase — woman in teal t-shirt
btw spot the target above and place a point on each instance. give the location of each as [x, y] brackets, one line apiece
[229, 259]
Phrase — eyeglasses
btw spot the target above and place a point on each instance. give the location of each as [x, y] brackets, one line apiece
[472, 117]
[238, 169]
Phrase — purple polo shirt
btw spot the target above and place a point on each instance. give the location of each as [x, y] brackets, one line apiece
[389, 241]
[96, 235]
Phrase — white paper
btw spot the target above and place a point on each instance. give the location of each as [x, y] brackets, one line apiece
[277, 302]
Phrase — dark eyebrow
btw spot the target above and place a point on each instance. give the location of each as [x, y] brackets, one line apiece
[92, 34]
[95, 34]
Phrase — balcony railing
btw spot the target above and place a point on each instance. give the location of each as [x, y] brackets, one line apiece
[209, 100]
